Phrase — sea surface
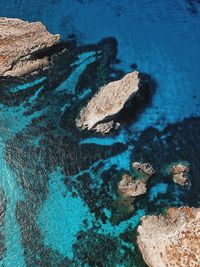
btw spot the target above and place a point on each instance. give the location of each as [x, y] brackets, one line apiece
[58, 197]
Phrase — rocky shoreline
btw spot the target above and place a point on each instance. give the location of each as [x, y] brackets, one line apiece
[171, 239]
[165, 240]
[24, 47]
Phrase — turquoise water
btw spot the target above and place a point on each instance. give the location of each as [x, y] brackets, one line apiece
[59, 184]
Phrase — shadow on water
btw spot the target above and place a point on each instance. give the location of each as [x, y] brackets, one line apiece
[39, 136]
[62, 189]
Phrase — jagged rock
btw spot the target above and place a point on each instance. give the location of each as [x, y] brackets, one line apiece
[130, 187]
[179, 171]
[105, 110]
[172, 239]
[133, 186]
[180, 174]
[146, 168]
[23, 45]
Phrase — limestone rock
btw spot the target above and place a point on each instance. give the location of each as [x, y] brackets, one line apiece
[130, 187]
[146, 168]
[180, 174]
[135, 185]
[22, 47]
[172, 239]
[103, 111]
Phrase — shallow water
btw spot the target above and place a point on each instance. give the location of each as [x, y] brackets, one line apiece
[58, 185]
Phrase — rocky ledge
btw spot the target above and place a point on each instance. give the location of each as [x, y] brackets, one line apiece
[22, 47]
[172, 239]
[116, 101]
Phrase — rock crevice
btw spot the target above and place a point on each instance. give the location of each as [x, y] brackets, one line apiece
[115, 102]
[171, 239]
[20, 41]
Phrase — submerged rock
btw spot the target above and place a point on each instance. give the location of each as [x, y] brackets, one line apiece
[122, 209]
[171, 239]
[23, 45]
[118, 99]
[129, 188]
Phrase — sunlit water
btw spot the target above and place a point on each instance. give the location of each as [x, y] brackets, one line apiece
[59, 184]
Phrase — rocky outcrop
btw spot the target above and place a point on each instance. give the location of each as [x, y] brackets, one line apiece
[135, 185]
[145, 169]
[178, 172]
[22, 47]
[106, 109]
[129, 188]
[172, 239]
[180, 175]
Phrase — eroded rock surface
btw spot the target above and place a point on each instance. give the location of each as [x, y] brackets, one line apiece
[145, 168]
[20, 43]
[172, 239]
[103, 111]
[180, 174]
[129, 188]
[133, 186]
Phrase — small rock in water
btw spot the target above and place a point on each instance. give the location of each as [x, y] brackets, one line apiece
[135, 185]
[115, 102]
[180, 173]
[131, 187]
[146, 168]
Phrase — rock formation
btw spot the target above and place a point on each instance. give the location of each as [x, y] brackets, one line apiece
[129, 188]
[172, 239]
[22, 47]
[133, 186]
[145, 168]
[105, 109]
[180, 174]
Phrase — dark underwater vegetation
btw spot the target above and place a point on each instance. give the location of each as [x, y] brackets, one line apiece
[57, 183]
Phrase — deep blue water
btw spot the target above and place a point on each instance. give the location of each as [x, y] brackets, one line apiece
[57, 184]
